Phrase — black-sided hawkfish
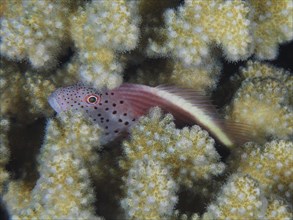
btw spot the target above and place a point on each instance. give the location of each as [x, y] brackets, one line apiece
[118, 109]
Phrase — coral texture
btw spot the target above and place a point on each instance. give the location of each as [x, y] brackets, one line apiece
[192, 27]
[242, 197]
[273, 24]
[99, 30]
[69, 145]
[263, 101]
[271, 165]
[151, 191]
[204, 78]
[4, 151]
[35, 30]
[155, 137]
[53, 166]
[29, 91]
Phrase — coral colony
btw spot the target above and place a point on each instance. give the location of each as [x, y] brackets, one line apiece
[58, 166]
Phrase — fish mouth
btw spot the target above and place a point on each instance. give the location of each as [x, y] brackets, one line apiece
[54, 103]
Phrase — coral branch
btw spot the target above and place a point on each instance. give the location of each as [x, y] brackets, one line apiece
[271, 165]
[188, 153]
[53, 167]
[263, 101]
[150, 192]
[242, 198]
[69, 146]
[36, 30]
[193, 27]
[100, 29]
[273, 24]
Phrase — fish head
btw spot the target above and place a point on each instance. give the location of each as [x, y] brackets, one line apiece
[108, 108]
[76, 97]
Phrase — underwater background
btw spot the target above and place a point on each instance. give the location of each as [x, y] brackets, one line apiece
[239, 53]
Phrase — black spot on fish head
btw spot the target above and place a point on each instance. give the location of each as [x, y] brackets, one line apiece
[77, 97]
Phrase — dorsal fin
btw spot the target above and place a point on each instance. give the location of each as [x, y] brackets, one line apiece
[197, 98]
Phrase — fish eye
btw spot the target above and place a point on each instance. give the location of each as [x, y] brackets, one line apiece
[92, 99]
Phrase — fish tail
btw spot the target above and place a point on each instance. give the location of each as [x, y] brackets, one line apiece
[239, 133]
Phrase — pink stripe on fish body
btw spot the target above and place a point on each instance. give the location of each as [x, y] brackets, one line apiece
[188, 107]
[142, 98]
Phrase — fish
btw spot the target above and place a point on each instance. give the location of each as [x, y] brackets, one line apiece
[117, 110]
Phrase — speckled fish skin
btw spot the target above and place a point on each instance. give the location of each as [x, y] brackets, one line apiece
[111, 112]
[116, 110]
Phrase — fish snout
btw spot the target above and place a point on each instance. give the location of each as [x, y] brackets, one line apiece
[53, 101]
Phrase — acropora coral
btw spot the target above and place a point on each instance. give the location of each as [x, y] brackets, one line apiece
[53, 166]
